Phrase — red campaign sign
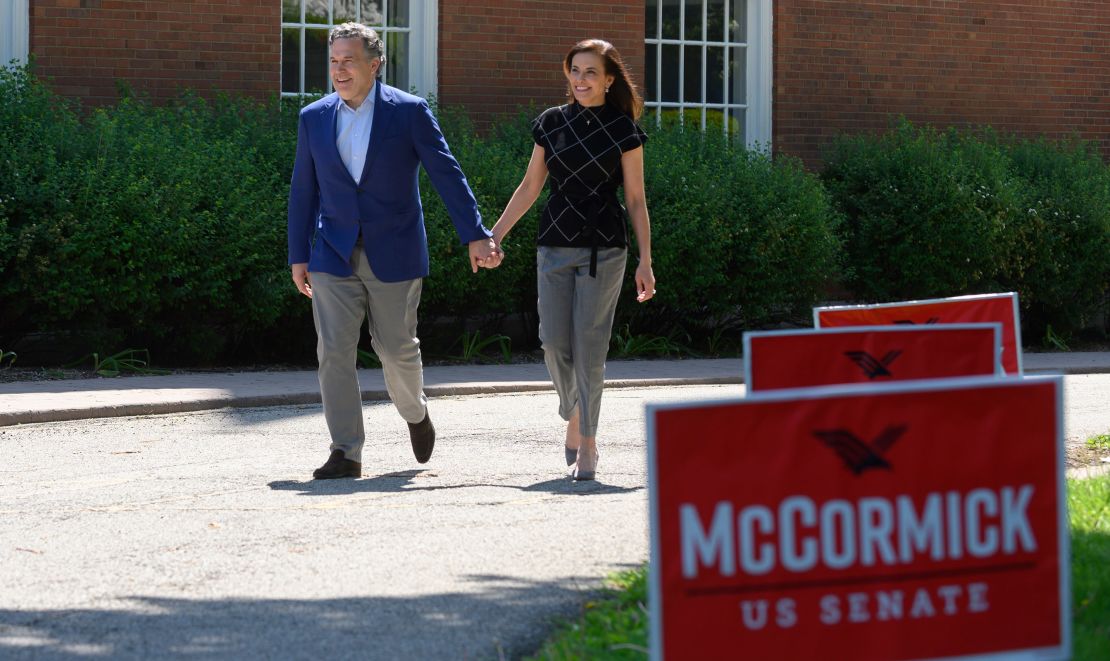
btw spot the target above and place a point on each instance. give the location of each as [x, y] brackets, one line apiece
[1001, 308]
[869, 354]
[918, 519]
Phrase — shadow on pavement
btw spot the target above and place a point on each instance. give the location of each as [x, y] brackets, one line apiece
[507, 619]
[406, 481]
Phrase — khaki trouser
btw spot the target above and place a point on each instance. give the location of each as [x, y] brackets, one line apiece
[339, 306]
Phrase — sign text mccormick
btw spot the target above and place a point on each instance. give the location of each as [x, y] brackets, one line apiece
[915, 520]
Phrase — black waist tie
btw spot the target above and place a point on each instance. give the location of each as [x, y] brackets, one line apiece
[595, 207]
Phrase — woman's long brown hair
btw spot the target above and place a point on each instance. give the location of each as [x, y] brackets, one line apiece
[622, 93]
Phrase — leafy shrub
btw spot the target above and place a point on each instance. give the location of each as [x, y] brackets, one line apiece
[737, 237]
[1061, 265]
[932, 214]
[926, 212]
[164, 224]
[164, 227]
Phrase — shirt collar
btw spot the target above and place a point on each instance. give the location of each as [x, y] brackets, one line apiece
[367, 104]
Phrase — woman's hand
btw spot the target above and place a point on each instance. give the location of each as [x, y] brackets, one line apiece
[645, 283]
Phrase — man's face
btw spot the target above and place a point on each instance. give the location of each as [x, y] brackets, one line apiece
[352, 74]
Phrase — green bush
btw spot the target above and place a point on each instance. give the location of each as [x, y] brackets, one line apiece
[738, 238]
[1061, 267]
[931, 214]
[155, 225]
[926, 212]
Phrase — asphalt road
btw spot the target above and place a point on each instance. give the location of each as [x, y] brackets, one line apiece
[200, 535]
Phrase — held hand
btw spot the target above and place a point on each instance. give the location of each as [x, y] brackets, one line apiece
[645, 283]
[302, 280]
[485, 253]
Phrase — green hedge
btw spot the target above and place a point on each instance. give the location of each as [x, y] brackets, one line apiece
[931, 213]
[163, 227]
[738, 238]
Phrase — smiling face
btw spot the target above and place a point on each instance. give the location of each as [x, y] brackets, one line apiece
[352, 74]
[587, 78]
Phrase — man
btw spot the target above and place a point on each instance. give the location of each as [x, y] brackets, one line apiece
[357, 242]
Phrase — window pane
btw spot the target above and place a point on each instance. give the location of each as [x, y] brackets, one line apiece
[716, 21]
[315, 60]
[693, 20]
[738, 75]
[651, 89]
[371, 13]
[651, 19]
[670, 73]
[670, 18]
[397, 60]
[692, 80]
[715, 75]
[291, 60]
[736, 124]
[344, 11]
[291, 11]
[738, 21]
[316, 11]
[399, 13]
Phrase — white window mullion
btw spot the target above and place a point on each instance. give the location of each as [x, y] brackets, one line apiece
[300, 84]
[681, 61]
[704, 61]
[659, 60]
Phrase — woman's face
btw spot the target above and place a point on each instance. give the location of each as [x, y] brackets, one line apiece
[587, 78]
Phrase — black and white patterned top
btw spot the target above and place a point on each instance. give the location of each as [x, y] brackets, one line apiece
[582, 148]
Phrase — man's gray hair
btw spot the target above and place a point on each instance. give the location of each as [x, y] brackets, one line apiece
[371, 42]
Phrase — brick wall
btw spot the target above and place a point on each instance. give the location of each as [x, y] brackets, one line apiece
[1022, 66]
[84, 46]
[497, 55]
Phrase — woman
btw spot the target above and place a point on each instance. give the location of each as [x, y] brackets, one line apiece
[590, 147]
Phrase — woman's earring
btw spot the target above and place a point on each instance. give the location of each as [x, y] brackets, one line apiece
[606, 90]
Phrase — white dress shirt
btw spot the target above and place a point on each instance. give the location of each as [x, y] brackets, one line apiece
[352, 133]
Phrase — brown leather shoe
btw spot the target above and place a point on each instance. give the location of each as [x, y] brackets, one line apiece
[423, 437]
[337, 466]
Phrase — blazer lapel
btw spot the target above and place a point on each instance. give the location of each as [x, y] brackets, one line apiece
[329, 118]
[383, 115]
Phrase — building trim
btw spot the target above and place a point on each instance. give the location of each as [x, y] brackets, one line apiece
[15, 31]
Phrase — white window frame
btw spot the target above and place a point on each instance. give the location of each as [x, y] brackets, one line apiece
[423, 31]
[757, 109]
[15, 28]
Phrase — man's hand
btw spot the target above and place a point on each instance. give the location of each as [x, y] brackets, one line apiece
[302, 280]
[485, 253]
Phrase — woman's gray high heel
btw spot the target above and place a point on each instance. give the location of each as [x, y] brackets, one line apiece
[572, 455]
[581, 475]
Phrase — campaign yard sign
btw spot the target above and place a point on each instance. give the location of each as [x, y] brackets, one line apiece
[869, 354]
[979, 308]
[918, 519]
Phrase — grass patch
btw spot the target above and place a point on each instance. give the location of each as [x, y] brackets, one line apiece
[1089, 506]
[1100, 442]
[615, 626]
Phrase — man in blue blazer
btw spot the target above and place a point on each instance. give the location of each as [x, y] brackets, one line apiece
[357, 243]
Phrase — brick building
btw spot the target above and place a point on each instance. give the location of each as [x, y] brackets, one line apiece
[791, 73]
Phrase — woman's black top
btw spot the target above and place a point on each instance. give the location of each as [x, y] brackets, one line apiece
[582, 148]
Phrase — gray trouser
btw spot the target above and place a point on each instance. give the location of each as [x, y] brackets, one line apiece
[339, 306]
[576, 322]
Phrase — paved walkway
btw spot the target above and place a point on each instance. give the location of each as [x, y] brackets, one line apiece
[76, 399]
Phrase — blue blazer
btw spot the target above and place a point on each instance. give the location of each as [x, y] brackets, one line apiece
[327, 207]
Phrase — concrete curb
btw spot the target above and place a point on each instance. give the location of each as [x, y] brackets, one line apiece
[309, 398]
[40, 402]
